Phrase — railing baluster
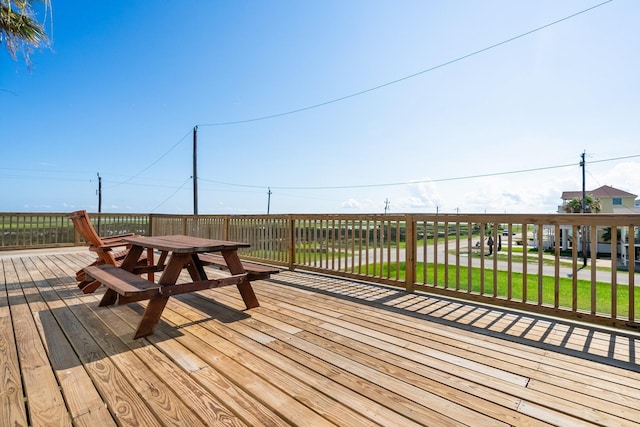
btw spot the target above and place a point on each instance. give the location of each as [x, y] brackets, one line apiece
[482, 267]
[371, 247]
[436, 237]
[525, 238]
[594, 251]
[469, 257]
[631, 263]
[556, 281]
[614, 274]
[540, 238]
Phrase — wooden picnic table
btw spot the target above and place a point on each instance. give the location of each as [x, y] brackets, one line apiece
[177, 252]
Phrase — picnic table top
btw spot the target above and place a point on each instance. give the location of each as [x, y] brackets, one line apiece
[184, 244]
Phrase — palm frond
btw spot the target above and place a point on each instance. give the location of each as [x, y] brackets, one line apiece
[19, 29]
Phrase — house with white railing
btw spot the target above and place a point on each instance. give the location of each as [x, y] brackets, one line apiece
[610, 200]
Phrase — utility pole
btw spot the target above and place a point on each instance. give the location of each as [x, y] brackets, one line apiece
[195, 170]
[584, 192]
[99, 193]
[99, 200]
[268, 200]
[386, 206]
[584, 209]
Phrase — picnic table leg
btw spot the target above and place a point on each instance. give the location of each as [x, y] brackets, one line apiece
[109, 298]
[155, 307]
[195, 268]
[130, 261]
[235, 267]
[91, 287]
[151, 316]
[150, 275]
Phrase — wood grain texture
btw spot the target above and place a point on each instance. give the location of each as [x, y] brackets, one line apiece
[319, 350]
[12, 408]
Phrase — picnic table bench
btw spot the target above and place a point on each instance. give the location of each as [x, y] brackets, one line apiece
[129, 287]
[124, 284]
[255, 271]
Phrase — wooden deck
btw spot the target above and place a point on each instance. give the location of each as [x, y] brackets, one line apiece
[319, 351]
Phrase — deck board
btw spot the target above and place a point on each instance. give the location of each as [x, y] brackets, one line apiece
[408, 366]
[326, 341]
[319, 350]
[46, 404]
[80, 395]
[475, 367]
[12, 408]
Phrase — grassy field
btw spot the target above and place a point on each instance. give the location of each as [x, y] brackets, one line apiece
[565, 287]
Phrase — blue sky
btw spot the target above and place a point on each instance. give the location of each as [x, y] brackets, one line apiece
[122, 87]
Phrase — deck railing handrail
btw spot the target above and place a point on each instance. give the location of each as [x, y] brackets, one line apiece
[547, 263]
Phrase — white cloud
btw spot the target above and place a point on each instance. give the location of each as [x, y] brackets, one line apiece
[351, 204]
[422, 196]
[624, 176]
[529, 192]
[513, 195]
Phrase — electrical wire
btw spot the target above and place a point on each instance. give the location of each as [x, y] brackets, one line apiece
[172, 194]
[362, 92]
[153, 163]
[410, 76]
[601, 186]
[354, 186]
[138, 184]
[616, 158]
[76, 172]
[392, 184]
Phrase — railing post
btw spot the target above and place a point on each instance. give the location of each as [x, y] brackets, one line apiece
[410, 253]
[76, 237]
[150, 225]
[292, 243]
[227, 227]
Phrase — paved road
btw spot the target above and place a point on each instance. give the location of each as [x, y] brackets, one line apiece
[622, 277]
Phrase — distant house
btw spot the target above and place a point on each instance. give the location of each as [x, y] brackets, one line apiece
[612, 200]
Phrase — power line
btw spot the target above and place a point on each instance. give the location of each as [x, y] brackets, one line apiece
[615, 158]
[343, 98]
[410, 76]
[39, 178]
[75, 171]
[143, 185]
[393, 82]
[172, 194]
[392, 184]
[155, 161]
[261, 187]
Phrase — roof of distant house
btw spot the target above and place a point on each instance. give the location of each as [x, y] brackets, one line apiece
[598, 193]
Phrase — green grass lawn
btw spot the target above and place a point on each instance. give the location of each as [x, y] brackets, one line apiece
[565, 286]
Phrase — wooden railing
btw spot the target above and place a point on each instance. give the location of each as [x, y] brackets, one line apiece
[31, 230]
[586, 271]
[49, 230]
[560, 264]
[269, 236]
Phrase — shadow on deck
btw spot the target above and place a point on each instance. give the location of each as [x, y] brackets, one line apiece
[319, 350]
[602, 345]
